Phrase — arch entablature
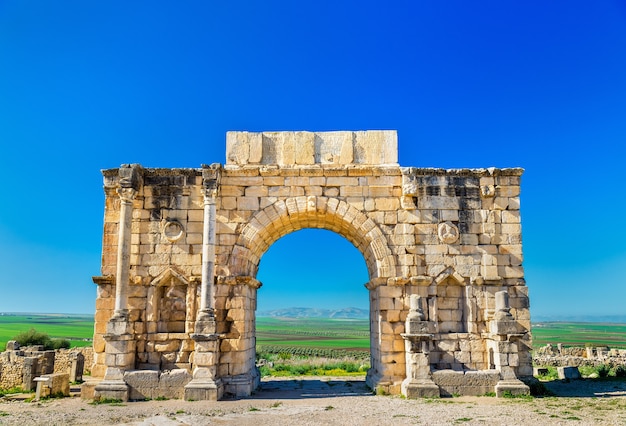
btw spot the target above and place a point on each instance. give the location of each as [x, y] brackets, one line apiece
[295, 213]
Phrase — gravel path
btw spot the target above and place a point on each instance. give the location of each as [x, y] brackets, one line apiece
[324, 401]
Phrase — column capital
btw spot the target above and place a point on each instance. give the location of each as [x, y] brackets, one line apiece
[127, 195]
[210, 181]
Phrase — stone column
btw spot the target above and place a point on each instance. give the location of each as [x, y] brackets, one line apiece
[205, 323]
[205, 384]
[127, 195]
[119, 337]
[419, 334]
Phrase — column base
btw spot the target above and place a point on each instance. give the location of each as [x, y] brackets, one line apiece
[420, 388]
[111, 389]
[204, 390]
[242, 385]
[511, 388]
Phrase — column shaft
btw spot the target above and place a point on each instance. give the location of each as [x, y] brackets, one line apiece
[208, 256]
[123, 251]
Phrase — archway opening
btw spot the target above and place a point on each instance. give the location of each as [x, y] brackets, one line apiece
[313, 311]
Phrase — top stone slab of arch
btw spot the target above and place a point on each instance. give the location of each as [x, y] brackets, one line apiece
[369, 147]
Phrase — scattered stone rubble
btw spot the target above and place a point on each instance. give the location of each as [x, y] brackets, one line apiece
[560, 356]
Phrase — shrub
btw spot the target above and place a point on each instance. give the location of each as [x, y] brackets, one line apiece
[620, 371]
[60, 344]
[603, 370]
[33, 337]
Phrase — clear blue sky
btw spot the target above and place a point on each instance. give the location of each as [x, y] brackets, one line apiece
[90, 85]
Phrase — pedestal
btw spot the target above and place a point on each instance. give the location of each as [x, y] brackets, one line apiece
[418, 382]
[205, 385]
[120, 357]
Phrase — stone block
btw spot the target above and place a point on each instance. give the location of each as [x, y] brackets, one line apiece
[568, 373]
[174, 379]
[141, 384]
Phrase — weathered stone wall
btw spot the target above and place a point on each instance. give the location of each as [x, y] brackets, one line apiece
[560, 356]
[13, 363]
[11, 369]
[453, 237]
[63, 359]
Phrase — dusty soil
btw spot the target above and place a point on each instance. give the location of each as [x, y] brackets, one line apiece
[337, 401]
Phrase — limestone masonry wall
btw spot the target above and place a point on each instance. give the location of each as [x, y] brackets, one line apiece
[190, 248]
[11, 370]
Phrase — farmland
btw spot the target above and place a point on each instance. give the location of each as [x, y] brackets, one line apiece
[311, 336]
[322, 337]
[78, 329]
[579, 334]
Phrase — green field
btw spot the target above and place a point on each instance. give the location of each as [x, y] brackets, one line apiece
[346, 334]
[321, 333]
[579, 334]
[78, 329]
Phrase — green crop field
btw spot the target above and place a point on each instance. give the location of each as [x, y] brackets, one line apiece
[78, 329]
[579, 334]
[325, 335]
[345, 334]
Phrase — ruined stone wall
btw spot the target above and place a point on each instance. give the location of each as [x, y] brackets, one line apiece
[63, 360]
[13, 363]
[560, 356]
[11, 369]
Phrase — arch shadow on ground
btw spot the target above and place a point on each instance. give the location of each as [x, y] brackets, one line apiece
[587, 388]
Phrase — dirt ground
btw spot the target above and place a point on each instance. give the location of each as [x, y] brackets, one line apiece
[337, 401]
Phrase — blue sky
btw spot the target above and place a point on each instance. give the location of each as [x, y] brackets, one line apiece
[86, 86]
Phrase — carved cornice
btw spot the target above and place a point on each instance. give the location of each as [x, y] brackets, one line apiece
[131, 176]
[103, 280]
[239, 280]
[491, 171]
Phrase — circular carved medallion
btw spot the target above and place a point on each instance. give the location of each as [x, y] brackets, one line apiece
[448, 232]
[173, 230]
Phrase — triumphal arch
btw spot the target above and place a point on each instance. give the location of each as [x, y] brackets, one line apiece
[176, 299]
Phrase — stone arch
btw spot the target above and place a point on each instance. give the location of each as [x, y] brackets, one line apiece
[292, 214]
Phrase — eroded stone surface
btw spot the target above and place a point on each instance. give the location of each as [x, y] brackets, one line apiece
[196, 236]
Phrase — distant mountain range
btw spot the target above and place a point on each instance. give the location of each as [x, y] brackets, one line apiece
[358, 313]
[609, 319]
[343, 313]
